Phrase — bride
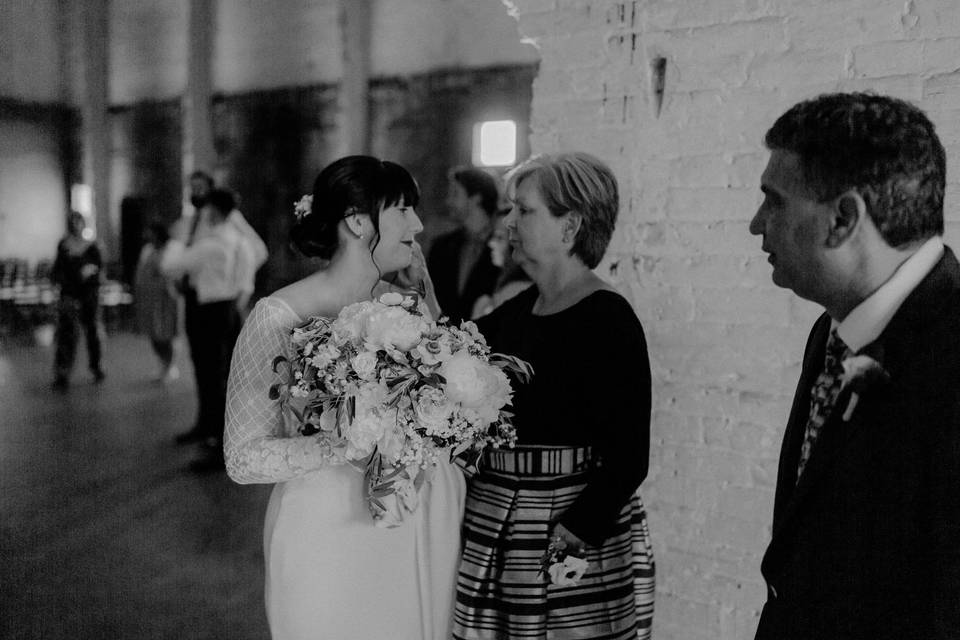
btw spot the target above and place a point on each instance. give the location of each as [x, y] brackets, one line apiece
[330, 573]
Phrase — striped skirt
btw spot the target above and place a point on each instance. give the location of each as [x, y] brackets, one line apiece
[501, 594]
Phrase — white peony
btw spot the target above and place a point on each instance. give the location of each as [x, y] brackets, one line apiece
[393, 327]
[350, 321]
[476, 384]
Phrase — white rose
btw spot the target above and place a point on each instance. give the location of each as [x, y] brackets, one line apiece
[365, 364]
[433, 412]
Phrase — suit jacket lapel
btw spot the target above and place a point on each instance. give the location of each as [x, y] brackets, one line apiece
[814, 355]
[892, 349]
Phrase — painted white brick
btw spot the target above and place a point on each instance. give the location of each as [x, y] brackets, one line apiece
[942, 91]
[712, 203]
[725, 343]
[941, 55]
[887, 58]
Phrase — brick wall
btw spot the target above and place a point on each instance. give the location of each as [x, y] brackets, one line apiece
[725, 343]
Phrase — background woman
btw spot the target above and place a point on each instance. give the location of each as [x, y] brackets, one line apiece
[512, 279]
[330, 573]
[583, 427]
[156, 300]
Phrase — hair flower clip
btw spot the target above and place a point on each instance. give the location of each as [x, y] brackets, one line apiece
[303, 207]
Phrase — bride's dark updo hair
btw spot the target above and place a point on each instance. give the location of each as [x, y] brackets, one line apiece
[354, 184]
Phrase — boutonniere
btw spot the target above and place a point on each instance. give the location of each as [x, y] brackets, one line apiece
[860, 372]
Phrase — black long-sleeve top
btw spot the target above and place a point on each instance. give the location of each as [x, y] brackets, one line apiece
[68, 267]
[591, 387]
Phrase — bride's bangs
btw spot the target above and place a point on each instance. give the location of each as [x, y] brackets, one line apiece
[399, 185]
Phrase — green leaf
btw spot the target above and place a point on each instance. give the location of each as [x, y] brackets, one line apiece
[297, 414]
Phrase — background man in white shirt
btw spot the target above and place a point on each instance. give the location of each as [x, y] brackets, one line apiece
[217, 254]
[866, 525]
[201, 184]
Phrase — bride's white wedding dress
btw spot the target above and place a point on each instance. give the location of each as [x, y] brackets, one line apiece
[330, 573]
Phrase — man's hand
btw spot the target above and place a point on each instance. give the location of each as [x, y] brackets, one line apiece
[88, 271]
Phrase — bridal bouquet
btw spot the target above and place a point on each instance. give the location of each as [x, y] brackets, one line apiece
[393, 394]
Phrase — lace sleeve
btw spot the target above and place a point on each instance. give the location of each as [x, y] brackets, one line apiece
[257, 445]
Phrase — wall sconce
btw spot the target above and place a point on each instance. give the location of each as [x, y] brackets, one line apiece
[495, 143]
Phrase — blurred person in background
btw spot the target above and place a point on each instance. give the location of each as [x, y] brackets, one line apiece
[188, 230]
[76, 270]
[156, 300]
[512, 280]
[459, 263]
[211, 263]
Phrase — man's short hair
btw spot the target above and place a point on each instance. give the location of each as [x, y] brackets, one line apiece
[474, 181]
[203, 175]
[883, 147]
[222, 200]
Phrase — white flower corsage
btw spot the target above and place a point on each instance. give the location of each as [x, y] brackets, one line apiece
[859, 373]
[303, 207]
[561, 567]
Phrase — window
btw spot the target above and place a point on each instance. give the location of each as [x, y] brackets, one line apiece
[495, 143]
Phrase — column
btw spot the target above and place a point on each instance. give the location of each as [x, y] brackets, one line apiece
[95, 39]
[198, 151]
[355, 30]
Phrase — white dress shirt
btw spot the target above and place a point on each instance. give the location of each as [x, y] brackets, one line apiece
[868, 319]
[217, 262]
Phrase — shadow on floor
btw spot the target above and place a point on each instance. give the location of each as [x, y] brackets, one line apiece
[104, 533]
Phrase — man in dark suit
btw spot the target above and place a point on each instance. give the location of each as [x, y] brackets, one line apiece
[460, 263]
[866, 523]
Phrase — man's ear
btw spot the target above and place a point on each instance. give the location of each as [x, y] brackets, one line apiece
[848, 211]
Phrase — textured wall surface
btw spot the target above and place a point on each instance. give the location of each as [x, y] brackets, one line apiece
[264, 44]
[32, 198]
[30, 50]
[725, 343]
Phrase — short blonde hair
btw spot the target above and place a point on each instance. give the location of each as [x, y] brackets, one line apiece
[576, 181]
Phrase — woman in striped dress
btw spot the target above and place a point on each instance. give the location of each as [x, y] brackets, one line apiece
[583, 428]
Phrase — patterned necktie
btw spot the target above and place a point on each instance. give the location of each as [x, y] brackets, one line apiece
[823, 395]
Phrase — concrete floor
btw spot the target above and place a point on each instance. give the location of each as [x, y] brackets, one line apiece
[104, 532]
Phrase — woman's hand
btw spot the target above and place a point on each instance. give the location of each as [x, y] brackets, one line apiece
[416, 278]
[574, 544]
